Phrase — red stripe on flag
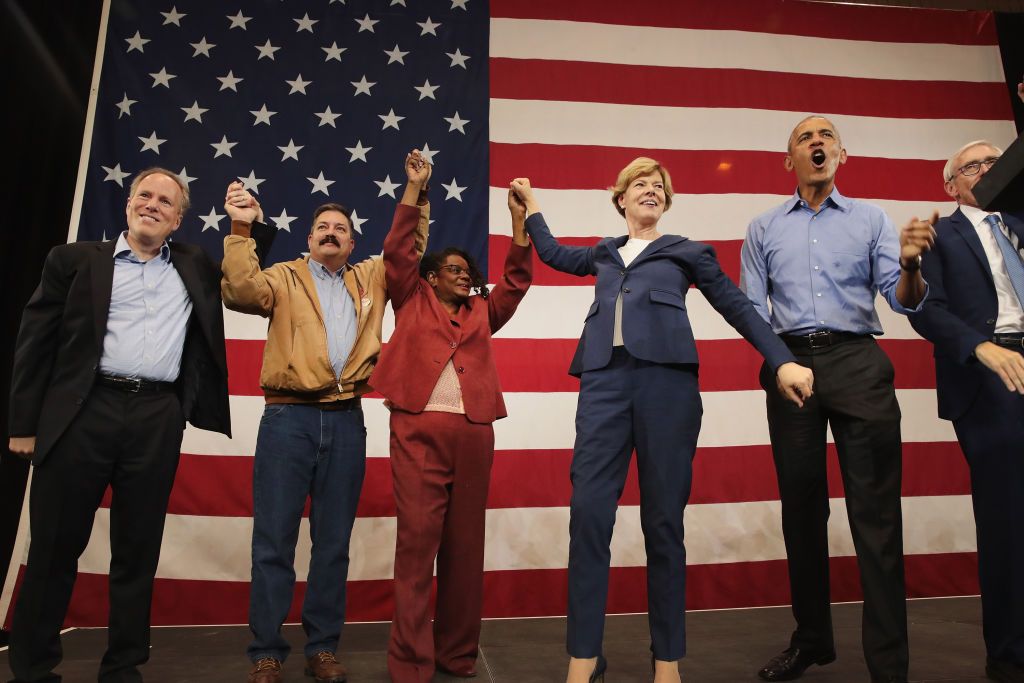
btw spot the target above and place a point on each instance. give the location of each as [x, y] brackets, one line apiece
[537, 592]
[543, 274]
[542, 365]
[821, 20]
[663, 86]
[221, 486]
[733, 474]
[583, 167]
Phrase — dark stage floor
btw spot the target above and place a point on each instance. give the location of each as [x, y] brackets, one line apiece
[726, 646]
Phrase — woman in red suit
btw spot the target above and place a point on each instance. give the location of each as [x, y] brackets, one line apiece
[439, 378]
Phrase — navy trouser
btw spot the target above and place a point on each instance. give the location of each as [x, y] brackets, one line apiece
[303, 451]
[991, 434]
[655, 409]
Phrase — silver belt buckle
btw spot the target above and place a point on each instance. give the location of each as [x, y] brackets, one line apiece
[818, 340]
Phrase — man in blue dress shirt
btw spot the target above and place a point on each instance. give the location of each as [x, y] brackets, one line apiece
[121, 343]
[819, 259]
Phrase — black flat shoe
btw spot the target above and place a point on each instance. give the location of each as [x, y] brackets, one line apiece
[460, 673]
[790, 664]
[1004, 672]
[597, 675]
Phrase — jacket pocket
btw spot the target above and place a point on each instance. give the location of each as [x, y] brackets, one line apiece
[667, 297]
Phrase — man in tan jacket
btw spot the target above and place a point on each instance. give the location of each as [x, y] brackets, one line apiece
[323, 339]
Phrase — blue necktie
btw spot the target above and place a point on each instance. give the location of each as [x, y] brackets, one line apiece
[1014, 267]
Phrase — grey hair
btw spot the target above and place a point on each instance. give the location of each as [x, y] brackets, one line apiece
[186, 200]
[948, 170]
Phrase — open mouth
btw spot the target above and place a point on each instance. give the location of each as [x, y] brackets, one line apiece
[818, 158]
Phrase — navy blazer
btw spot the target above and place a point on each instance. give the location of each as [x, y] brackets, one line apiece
[960, 311]
[655, 326]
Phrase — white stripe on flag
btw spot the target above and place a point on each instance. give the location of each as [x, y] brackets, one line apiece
[689, 128]
[704, 217]
[218, 548]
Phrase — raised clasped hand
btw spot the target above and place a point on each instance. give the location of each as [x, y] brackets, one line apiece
[241, 205]
[417, 168]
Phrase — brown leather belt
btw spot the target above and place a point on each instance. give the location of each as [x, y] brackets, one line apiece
[344, 404]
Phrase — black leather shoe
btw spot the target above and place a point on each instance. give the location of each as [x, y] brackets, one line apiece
[457, 673]
[791, 664]
[597, 676]
[889, 679]
[1004, 672]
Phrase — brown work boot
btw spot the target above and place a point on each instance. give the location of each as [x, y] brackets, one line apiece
[267, 670]
[325, 668]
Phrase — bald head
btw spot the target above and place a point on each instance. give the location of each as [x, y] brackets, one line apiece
[821, 123]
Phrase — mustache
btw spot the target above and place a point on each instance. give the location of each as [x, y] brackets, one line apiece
[329, 239]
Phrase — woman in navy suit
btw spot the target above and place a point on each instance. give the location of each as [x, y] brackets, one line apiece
[637, 364]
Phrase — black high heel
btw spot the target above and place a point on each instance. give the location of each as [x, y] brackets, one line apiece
[597, 675]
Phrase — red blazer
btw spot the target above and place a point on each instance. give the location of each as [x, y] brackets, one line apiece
[426, 336]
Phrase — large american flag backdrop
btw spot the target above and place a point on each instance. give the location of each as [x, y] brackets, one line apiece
[307, 100]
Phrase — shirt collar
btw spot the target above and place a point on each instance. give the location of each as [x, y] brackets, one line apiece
[322, 272]
[977, 216]
[835, 198]
[123, 250]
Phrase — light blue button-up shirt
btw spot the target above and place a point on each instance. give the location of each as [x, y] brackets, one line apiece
[339, 313]
[148, 317]
[821, 270]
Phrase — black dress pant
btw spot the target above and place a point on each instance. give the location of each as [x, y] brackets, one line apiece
[131, 442]
[991, 434]
[854, 394]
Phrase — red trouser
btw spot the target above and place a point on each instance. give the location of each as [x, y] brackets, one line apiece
[441, 465]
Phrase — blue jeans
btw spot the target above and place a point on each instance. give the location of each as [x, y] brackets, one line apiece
[303, 451]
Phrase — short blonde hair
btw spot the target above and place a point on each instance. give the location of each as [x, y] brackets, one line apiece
[640, 166]
[949, 169]
[142, 175]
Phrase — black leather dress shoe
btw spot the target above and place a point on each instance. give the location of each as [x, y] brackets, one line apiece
[1004, 672]
[457, 673]
[792, 663]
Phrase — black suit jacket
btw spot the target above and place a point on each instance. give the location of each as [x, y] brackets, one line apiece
[960, 311]
[61, 340]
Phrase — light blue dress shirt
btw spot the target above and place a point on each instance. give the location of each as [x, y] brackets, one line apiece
[148, 317]
[339, 313]
[822, 270]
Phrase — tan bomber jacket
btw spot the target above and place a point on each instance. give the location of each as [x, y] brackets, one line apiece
[296, 363]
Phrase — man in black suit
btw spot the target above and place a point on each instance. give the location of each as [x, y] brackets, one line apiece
[120, 344]
[974, 315]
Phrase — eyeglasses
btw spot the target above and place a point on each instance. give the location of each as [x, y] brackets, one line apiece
[454, 269]
[973, 168]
